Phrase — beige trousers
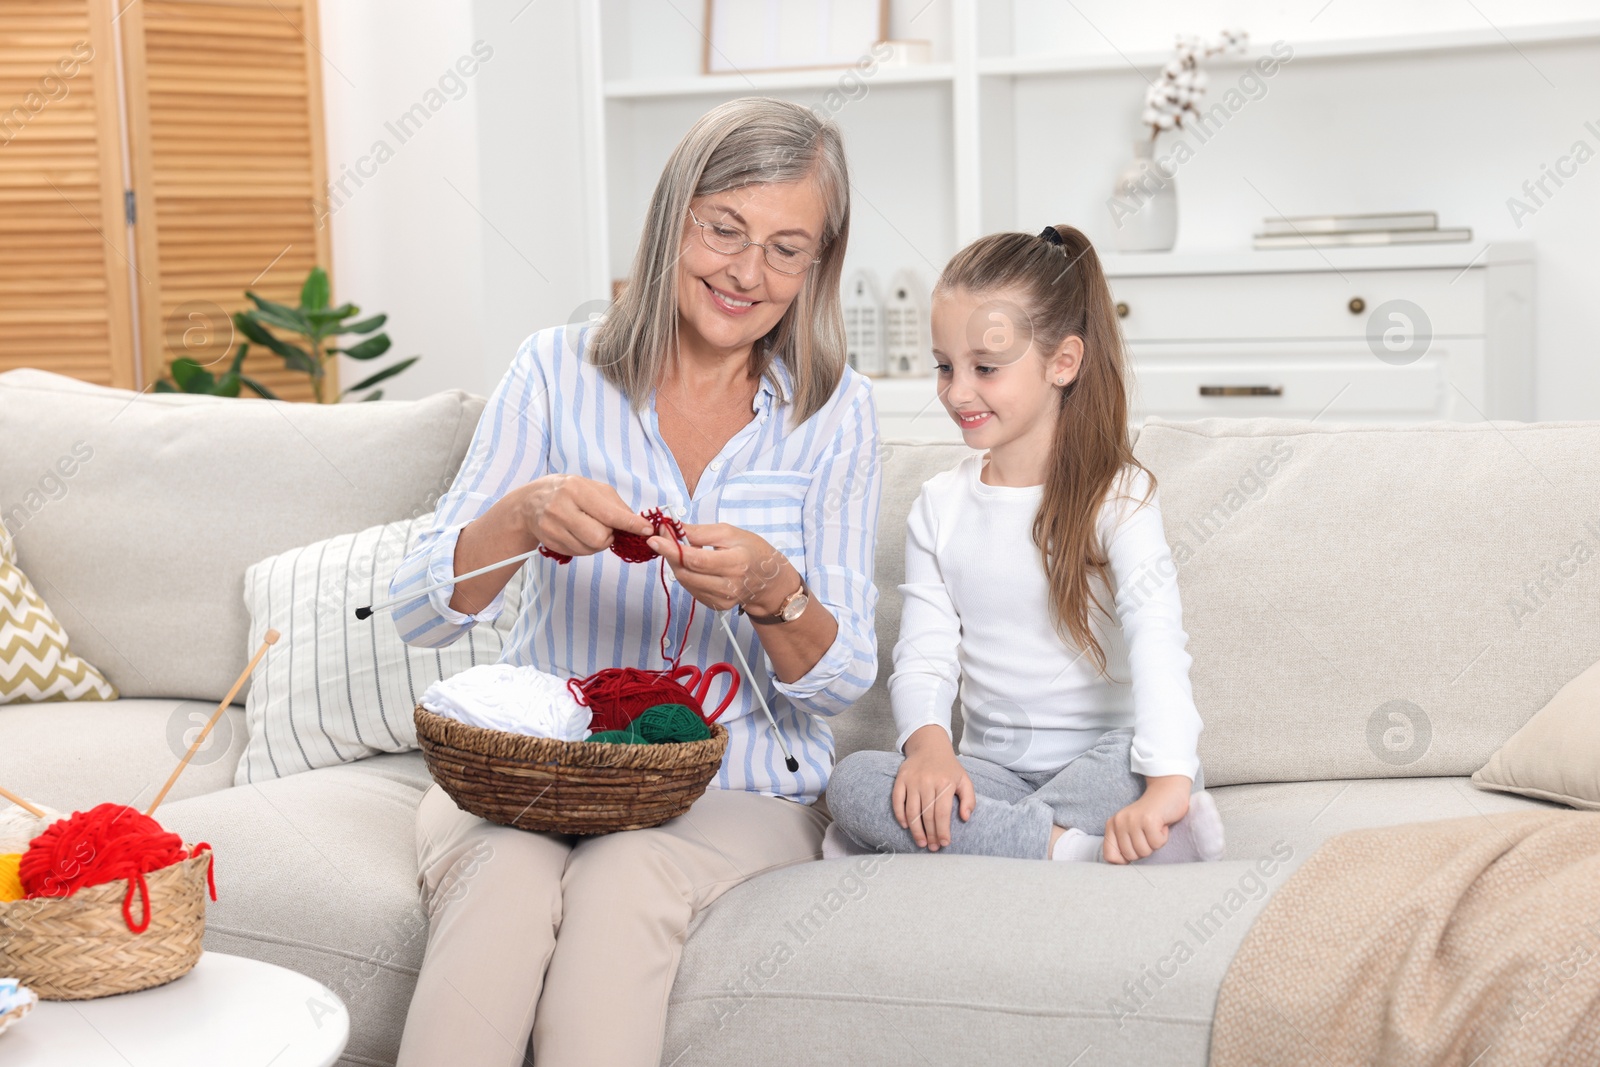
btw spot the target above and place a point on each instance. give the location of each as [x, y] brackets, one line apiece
[575, 940]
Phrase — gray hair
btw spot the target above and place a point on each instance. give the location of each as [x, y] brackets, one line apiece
[748, 141]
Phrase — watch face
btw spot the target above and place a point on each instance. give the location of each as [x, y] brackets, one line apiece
[795, 607]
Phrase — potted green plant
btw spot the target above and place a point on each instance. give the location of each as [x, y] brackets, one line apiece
[188, 376]
[303, 334]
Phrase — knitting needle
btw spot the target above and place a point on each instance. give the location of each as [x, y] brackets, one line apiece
[271, 639]
[36, 812]
[365, 613]
[788, 757]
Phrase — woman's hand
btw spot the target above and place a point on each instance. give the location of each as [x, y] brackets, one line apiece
[574, 515]
[928, 778]
[1141, 827]
[729, 567]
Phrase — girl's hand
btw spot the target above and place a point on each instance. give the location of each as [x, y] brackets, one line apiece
[1141, 827]
[927, 779]
[574, 515]
[730, 567]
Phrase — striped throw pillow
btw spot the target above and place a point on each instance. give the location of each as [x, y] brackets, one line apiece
[36, 663]
[334, 689]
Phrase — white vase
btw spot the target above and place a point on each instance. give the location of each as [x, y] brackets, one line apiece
[1144, 204]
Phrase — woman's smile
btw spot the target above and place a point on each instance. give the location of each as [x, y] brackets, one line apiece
[726, 302]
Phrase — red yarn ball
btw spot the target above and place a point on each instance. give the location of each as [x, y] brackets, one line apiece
[103, 844]
[616, 696]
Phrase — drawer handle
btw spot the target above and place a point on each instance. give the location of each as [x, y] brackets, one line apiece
[1357, 305]
[1122, 310]
[1241, 390]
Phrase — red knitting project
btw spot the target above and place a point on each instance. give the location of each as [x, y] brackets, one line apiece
[634, 548]
[103, 844]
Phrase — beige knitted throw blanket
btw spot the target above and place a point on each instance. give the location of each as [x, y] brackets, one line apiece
[1462, 941]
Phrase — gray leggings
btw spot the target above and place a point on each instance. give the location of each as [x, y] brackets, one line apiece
[1014, 809]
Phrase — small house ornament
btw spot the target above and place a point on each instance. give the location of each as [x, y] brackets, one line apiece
[905, 327]
[863, 325]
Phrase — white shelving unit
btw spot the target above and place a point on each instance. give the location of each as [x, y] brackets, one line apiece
[978, 110]
[917, 200]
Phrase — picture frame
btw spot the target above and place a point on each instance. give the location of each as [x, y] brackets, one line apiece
[742, 36]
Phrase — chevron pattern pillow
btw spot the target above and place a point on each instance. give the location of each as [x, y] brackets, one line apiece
[35, 662]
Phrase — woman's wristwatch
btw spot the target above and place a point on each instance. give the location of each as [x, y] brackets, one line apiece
[794, 605]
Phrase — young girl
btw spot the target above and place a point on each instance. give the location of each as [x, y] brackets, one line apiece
[1079, 734]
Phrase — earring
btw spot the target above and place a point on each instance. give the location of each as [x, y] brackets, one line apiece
[1061, 381]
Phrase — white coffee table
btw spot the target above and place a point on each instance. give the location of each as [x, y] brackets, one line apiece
[228, 1010]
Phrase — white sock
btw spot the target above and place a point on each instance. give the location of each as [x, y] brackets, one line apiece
[1195, 838]
[1076, 846]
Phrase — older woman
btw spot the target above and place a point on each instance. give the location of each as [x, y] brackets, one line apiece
[716, 388]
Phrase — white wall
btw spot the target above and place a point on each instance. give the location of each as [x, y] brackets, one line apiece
[1454, 132]
[535, 238]
[405, 242]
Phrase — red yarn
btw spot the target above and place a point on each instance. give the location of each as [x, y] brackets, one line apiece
[633, 548]
[103, 844]
[616, 696]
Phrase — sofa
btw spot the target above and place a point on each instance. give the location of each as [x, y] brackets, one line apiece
[1350, 594]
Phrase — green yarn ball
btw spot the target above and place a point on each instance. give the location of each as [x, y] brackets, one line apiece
[662, 724]
[666, 724]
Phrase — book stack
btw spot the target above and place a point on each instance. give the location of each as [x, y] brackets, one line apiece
[1398, 228]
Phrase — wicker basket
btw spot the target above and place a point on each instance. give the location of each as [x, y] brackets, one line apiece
[565, 787]
[78, 947]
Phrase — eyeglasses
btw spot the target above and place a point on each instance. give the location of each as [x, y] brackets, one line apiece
[730, 241]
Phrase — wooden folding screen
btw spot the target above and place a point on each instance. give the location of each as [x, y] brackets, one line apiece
[222, 108]
[64, 256]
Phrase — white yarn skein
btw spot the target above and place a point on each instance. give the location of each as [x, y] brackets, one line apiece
[518, 700]
[18, 826]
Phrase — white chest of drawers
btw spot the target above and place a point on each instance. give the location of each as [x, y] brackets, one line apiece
[1393, 335]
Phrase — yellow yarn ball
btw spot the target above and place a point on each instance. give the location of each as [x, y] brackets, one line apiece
[10, 880]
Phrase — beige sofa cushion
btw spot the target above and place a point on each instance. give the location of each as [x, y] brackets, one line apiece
[141, 553]
[1368, 602]
[1556, 756]
[74, 755]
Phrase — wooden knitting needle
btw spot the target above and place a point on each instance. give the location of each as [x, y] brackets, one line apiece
[271, 639]
[37, 813]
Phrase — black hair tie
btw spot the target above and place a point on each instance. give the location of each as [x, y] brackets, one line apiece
[1053, 235]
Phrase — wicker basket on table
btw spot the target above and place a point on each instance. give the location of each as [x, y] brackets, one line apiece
[566, 787]
[79, 947]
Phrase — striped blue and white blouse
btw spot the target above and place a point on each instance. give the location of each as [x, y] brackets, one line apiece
[811, 491]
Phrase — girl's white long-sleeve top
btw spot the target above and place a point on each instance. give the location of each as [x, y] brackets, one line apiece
[976, 615]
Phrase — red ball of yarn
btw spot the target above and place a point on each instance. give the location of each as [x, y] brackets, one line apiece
[616, 696]
[103, 844]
